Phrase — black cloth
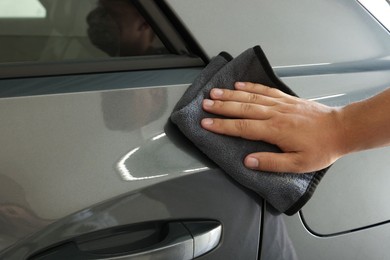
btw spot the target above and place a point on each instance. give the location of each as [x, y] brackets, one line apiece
[286, 192]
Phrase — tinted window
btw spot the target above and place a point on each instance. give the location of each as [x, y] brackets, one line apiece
[55, 30]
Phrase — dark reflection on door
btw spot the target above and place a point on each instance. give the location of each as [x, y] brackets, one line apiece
[17, 219]
[127, 111]
[276, 244]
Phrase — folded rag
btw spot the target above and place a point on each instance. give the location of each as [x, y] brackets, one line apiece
[286, 192]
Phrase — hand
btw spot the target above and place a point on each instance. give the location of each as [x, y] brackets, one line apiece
[309, 134]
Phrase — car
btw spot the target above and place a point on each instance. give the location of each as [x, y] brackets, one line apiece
[91, 167]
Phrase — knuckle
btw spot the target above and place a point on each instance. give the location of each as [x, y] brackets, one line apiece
[245, 108]
[281, 122]
[275, 125]
[241, 125]
[285, 108]
[253, 98]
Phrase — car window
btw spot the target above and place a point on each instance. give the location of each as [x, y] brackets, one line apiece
[57, 30]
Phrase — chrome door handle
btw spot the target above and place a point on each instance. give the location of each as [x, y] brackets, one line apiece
[182, 240]
[185, 240]
[178, 244]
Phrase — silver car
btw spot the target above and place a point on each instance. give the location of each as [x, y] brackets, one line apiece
[91, 168]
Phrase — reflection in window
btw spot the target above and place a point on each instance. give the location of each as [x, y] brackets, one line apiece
[117, 28]
[21, 9]
[74, 30]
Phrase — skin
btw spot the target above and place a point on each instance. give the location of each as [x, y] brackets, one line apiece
[311, 135]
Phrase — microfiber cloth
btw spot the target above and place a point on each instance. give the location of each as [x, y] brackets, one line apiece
[286, 192]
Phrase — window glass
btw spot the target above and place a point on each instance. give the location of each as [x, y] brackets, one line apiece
[31, 9]
[55, 30]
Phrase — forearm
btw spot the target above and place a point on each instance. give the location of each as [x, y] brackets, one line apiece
[366, 123]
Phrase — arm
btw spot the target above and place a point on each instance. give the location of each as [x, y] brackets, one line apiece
[311, 135]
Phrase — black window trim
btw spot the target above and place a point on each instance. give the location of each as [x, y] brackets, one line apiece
[186, 52]
[34, 69]
[170, 29]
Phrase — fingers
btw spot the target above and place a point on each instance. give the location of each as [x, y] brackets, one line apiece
[241, 104]
[257, 110]
[274, 162]
[253, 130]
[241, 96]
[244, 128]
[236, 109]
[259, 89]
[252, 93]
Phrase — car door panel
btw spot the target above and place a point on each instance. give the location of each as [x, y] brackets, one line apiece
[350, 206]
[89, 159]
[83, 162]
[200, 196]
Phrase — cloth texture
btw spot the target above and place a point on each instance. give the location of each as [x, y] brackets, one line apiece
[286, 192]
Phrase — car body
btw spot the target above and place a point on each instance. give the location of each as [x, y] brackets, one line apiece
[92, 169]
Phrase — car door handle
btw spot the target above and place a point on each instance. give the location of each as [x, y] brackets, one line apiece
[181, 240]
[178, 244]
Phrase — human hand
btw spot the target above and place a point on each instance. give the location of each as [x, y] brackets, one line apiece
[309, 134]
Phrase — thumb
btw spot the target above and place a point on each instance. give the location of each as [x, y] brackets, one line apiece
[273, 162]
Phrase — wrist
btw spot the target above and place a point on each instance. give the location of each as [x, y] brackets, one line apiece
[342, 130]
[353, 127]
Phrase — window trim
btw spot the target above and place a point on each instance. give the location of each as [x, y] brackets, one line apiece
[170, 29]
[34, 69]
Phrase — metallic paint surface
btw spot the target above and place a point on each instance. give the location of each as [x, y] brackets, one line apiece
[362, 245]
[59, 173]
[200, 196]
[357, 184]
[62, 152]
[290, 32]
[67, 143]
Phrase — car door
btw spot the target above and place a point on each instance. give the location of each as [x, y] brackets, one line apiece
[92, 169]
[90, 166]
[334, 52]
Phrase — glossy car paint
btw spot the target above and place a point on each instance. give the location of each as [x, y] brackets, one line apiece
[336, 53]
[320, 32]
[168, 201]
[66, 156]
[107, 147]
[350, 206]
[70, 184]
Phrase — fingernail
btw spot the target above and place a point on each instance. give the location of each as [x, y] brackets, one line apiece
[251, 162]
[208, 103]
[217, 92]
[240, 84]
[207, 121]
